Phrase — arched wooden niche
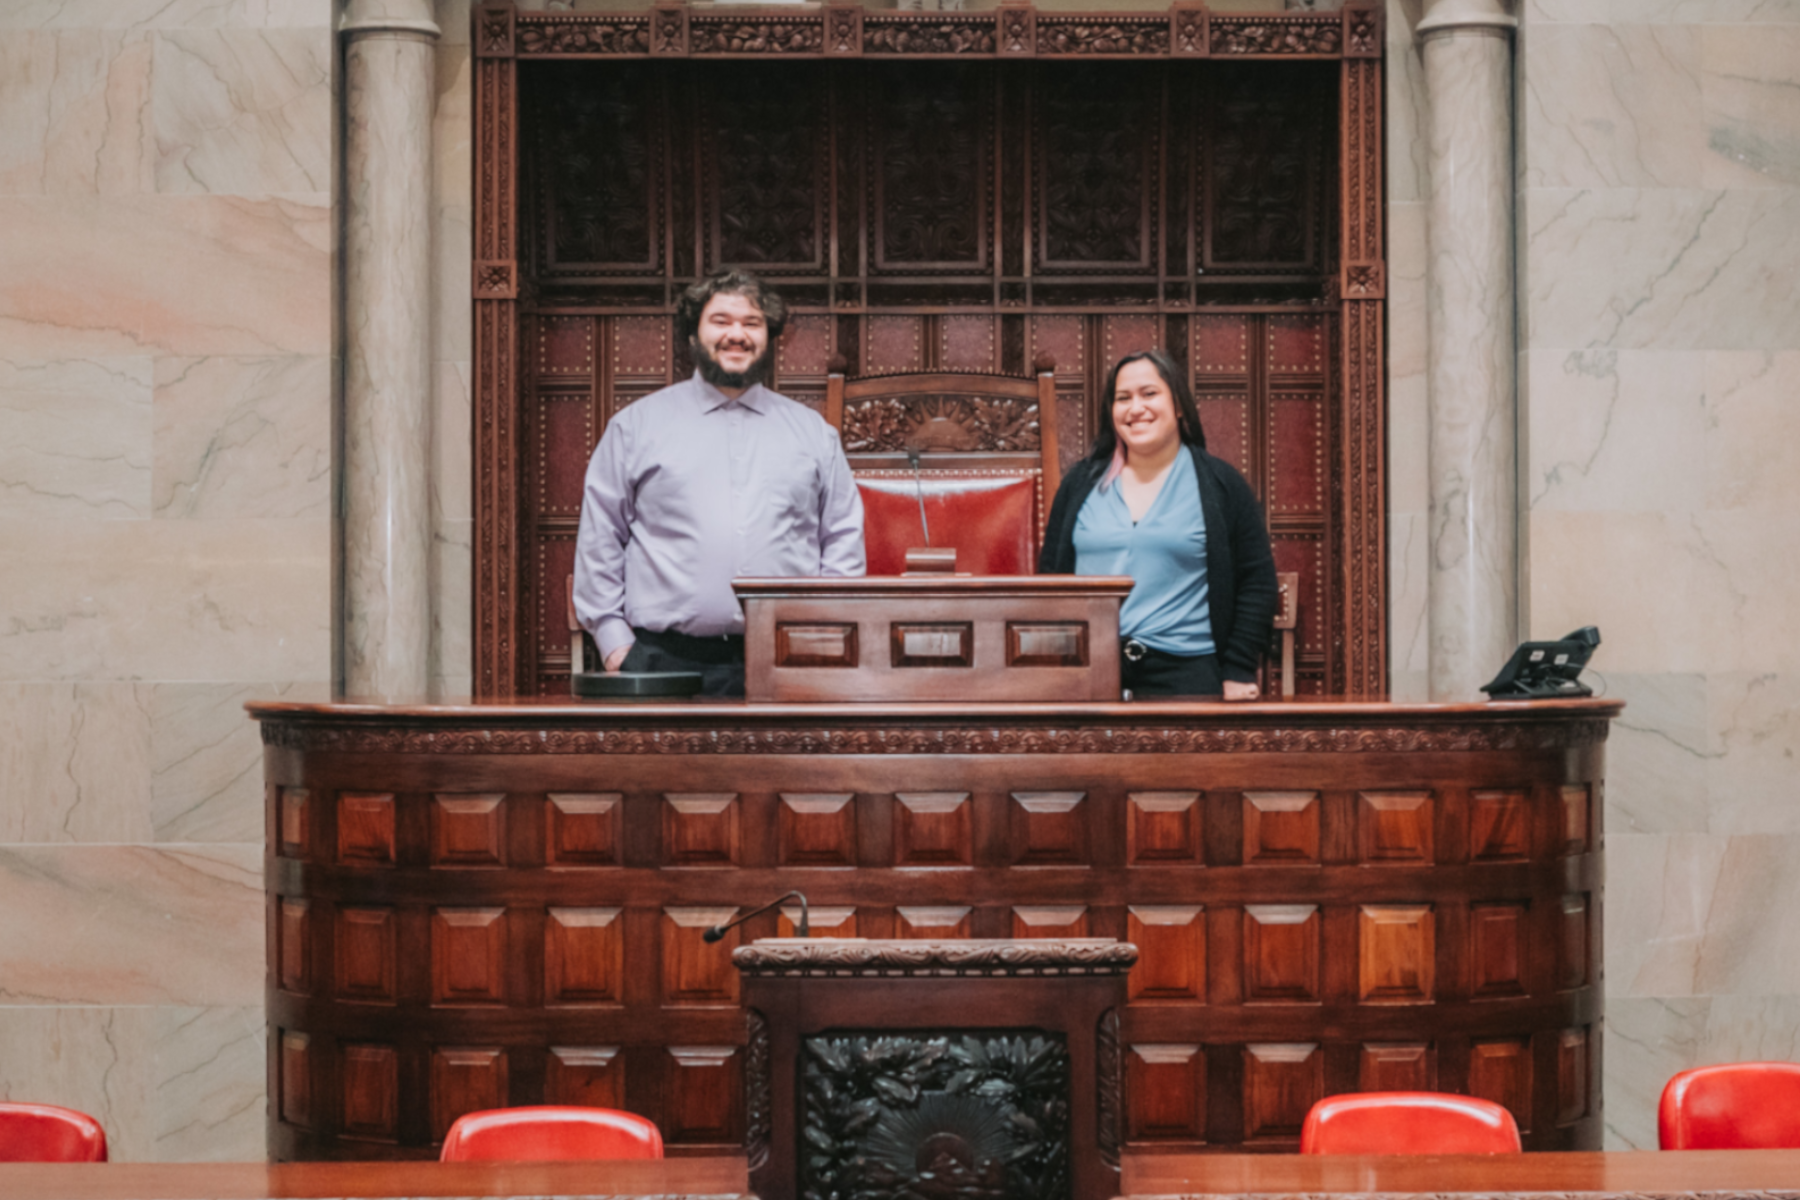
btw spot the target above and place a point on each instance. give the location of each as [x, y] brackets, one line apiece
[957, 190]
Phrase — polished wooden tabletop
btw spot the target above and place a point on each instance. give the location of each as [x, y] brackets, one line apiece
[666, 1179]
[1642, 1173]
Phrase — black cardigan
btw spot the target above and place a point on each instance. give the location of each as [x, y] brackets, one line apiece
[1240, 566]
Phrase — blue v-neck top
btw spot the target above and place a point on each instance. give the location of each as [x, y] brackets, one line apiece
[1165, 553]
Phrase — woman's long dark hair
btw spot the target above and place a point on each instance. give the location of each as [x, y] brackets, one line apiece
[1187, 417]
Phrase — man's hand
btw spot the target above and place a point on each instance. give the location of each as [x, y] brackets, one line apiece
[1239, 691]
[617, 658]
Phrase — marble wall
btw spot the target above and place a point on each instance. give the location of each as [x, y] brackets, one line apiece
[166, 380]
[1659, 368]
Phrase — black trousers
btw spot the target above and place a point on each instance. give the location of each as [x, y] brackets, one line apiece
[719, 660]
[1158, 676]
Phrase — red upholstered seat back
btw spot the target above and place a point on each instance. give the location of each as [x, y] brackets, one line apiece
[550, 1133]
[1408, 1123]
[46, 1133]
[1732, 1106]
[991, 520]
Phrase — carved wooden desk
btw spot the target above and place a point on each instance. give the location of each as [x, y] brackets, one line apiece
[481, 905]
[959, 1068]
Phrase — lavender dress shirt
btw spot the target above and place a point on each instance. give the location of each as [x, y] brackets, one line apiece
[688, 489]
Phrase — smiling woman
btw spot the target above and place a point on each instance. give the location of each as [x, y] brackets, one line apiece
[1149, 502]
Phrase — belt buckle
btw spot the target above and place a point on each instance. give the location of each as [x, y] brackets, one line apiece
[1134, 650]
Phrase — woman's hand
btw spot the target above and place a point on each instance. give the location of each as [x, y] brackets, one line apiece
[1240, 691]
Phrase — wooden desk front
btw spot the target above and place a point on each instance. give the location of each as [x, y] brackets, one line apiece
[472, 906]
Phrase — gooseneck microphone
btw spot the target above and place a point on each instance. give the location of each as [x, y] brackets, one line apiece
[803, 929]
[912, 456]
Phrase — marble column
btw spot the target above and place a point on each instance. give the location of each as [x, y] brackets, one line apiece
[389, 49]
[1467, 53]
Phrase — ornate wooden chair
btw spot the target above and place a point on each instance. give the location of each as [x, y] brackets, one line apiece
[1732, 1106]
[550, 1133]
[46, 1133]
[986, 456]
[1408, 1123]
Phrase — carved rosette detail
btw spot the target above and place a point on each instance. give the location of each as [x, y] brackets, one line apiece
[1109, 1083]
[616, 35]
[1364, 30]
[889, 425]
[843, 30]
[1190, 31]
[934, 37]
[756, 37]
[1086, 37]
[1559, 735]
[1015, 31]
[666, 28]
[1263, 36]
[1363, 279]
[759, 1091]
[897, 959]
[494, 34]
[495, 280]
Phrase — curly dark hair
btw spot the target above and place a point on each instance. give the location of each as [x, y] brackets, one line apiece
[1187, 416]
[731, 282]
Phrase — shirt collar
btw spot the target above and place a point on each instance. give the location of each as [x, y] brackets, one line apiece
[712, 399]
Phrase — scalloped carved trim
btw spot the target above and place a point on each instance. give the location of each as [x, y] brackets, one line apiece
[589, 35]
[844, 959]
[1521, 735]
[1274, 35]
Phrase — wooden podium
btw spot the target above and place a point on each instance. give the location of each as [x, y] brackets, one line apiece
[984, 639]
[953, 1068]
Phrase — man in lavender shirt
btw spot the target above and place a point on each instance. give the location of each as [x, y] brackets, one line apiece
[710, 479]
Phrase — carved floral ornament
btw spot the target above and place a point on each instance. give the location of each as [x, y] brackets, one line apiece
[881, 958]
[1094, 739]
[944, 424]
[1008, 30]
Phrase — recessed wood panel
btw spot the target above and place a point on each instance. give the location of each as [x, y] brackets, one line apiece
[296, 831]
[1281, 828]
[695, 971]
[1501, 1071]
[1396, 1067]
[1281, 952]
[468, 956]
[1576, 807]
[817, 829]
[367, 943]
[1171, 942]
[1396, 954]
[582, 829]
[585, 1076]
[1165, 1093]
[931, 829]
[1049, 829]
[1046, 644]
[700, 829]
[1571, 1076]
[295, 1097]
[1499, 826]
[1395, 827]
[1497, 949]
[1572, 953]
[294, 947]
[468, 831]
[838, 921]
[465, 1079]
[815, 644]
[1050, 921]
[370, 1074]
[703, 1094]
[584, 956]
[940, 644]
[1281, 1082]
[1164, 827]
[930, 922]
[365, 822]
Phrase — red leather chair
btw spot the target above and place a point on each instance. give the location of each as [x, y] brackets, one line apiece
[1732, 1106]
[46, 1133]
[988, 465]
[1408, 1123]
[550, 1133]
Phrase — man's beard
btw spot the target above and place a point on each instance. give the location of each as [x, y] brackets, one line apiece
[715, 373]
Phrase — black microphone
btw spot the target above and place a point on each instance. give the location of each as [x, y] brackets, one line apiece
[803, 930]
[912, 456]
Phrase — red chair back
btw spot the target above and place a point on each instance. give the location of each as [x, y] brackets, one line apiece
[1732, 1106]
[1408, 1123]
[992, 522]
[550, 1133]
[46, 1133]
